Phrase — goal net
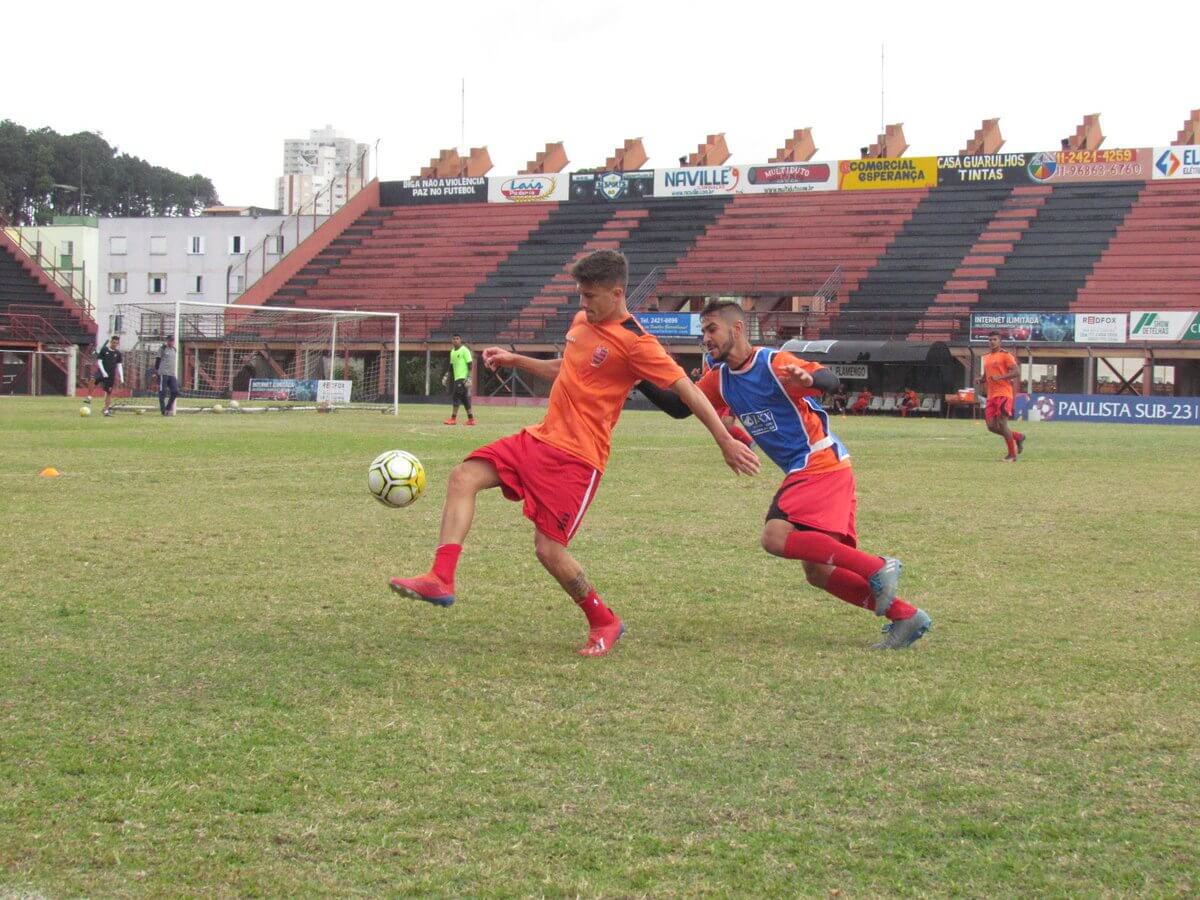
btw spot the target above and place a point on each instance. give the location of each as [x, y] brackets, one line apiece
[265, 357]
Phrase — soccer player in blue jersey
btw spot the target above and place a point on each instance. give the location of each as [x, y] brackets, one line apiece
[812, 517]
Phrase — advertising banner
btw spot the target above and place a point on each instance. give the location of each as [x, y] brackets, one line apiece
[1176, 162]
[1120, 408]
[610, 187]
[529, 188]
[995, 168]
[790, 178]
[700, 181]
[848, 372]
[1024, 328]
[1068, 166]
[885, 174]
[671, 324]
[1164, 326]
[1100, 328]
[418, 191]
[334, 392]
[283, 389]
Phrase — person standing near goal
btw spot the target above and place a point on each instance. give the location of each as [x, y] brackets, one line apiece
[1000, 373]
[460, 392]
[164, 370]
[109, 371]
[555, 466]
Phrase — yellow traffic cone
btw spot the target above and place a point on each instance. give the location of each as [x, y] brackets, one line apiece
[49, 472]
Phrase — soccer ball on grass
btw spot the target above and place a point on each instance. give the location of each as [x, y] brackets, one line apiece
[396, 478]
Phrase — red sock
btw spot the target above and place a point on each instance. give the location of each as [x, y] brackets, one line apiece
[597, 613]
[845, 585]
[815, 547]
[1011, 443]
[1017, 436]
[445, 561]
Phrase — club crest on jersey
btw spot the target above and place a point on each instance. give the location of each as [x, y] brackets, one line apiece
[599, 355]
[759, 422]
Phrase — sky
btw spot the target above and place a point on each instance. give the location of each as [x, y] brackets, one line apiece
[215, 88]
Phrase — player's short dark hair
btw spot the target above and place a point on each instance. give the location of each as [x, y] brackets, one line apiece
[606, 268]
[115, 337]
[994, 334]
[723, 308]
[456, 335]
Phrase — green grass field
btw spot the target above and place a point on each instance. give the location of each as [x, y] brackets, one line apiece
[206, 687]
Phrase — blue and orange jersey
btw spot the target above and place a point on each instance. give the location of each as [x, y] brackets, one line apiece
[786, 421]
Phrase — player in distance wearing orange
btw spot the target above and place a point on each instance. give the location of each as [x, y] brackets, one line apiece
[1000, 373]
[555, 467]
[812, 517]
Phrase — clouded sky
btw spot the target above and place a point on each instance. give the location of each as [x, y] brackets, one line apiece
[215, 87]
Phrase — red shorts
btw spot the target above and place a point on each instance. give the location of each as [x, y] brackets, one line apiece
[557, 487]
[824, 502]
[998, 406]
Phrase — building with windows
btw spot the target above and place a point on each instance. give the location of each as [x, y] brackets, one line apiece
[324, 168]
[205, 259]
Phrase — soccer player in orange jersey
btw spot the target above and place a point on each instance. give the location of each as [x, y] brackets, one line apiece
[812, 518]
[554, 467]
[1000, 375]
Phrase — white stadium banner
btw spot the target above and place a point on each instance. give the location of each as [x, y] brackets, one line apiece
[529, 188]
[701, 181]
[1147, 325]
[1100, 328]
[334, 393]
[789, 178]
[1176, 162]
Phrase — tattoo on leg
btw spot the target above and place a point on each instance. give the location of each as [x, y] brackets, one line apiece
[578, 587]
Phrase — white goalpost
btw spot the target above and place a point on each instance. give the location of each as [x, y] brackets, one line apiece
[264, 357]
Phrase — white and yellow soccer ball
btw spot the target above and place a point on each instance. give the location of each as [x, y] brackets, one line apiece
[396, 478]
[85, 411]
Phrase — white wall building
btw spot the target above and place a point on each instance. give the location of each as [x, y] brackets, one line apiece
[208, 259]
[325, 166]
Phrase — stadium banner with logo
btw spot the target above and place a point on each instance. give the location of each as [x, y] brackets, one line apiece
[884, 174]
[1171, 326]
[789, 178]
[529, 188]
[417, 191]
[699, 181]
[1024, 328]
[847, 372]
[1177, 162]
[1100, 328]
[1071, 166]
[1119, 408]
[610, 187]
[283, 389]
[670, 324]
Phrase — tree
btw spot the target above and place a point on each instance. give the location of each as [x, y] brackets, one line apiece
[32, 163]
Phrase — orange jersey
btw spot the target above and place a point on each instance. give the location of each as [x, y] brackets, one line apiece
[787, 422]
[995, 367]
[600, 366]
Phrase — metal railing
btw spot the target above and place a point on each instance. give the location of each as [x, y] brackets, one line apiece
[269, 252]
[64, 278]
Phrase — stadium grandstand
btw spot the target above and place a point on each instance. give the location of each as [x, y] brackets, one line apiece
[45, 321]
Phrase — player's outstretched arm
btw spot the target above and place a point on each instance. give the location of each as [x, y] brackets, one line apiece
[738, 456]
[499, 358]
